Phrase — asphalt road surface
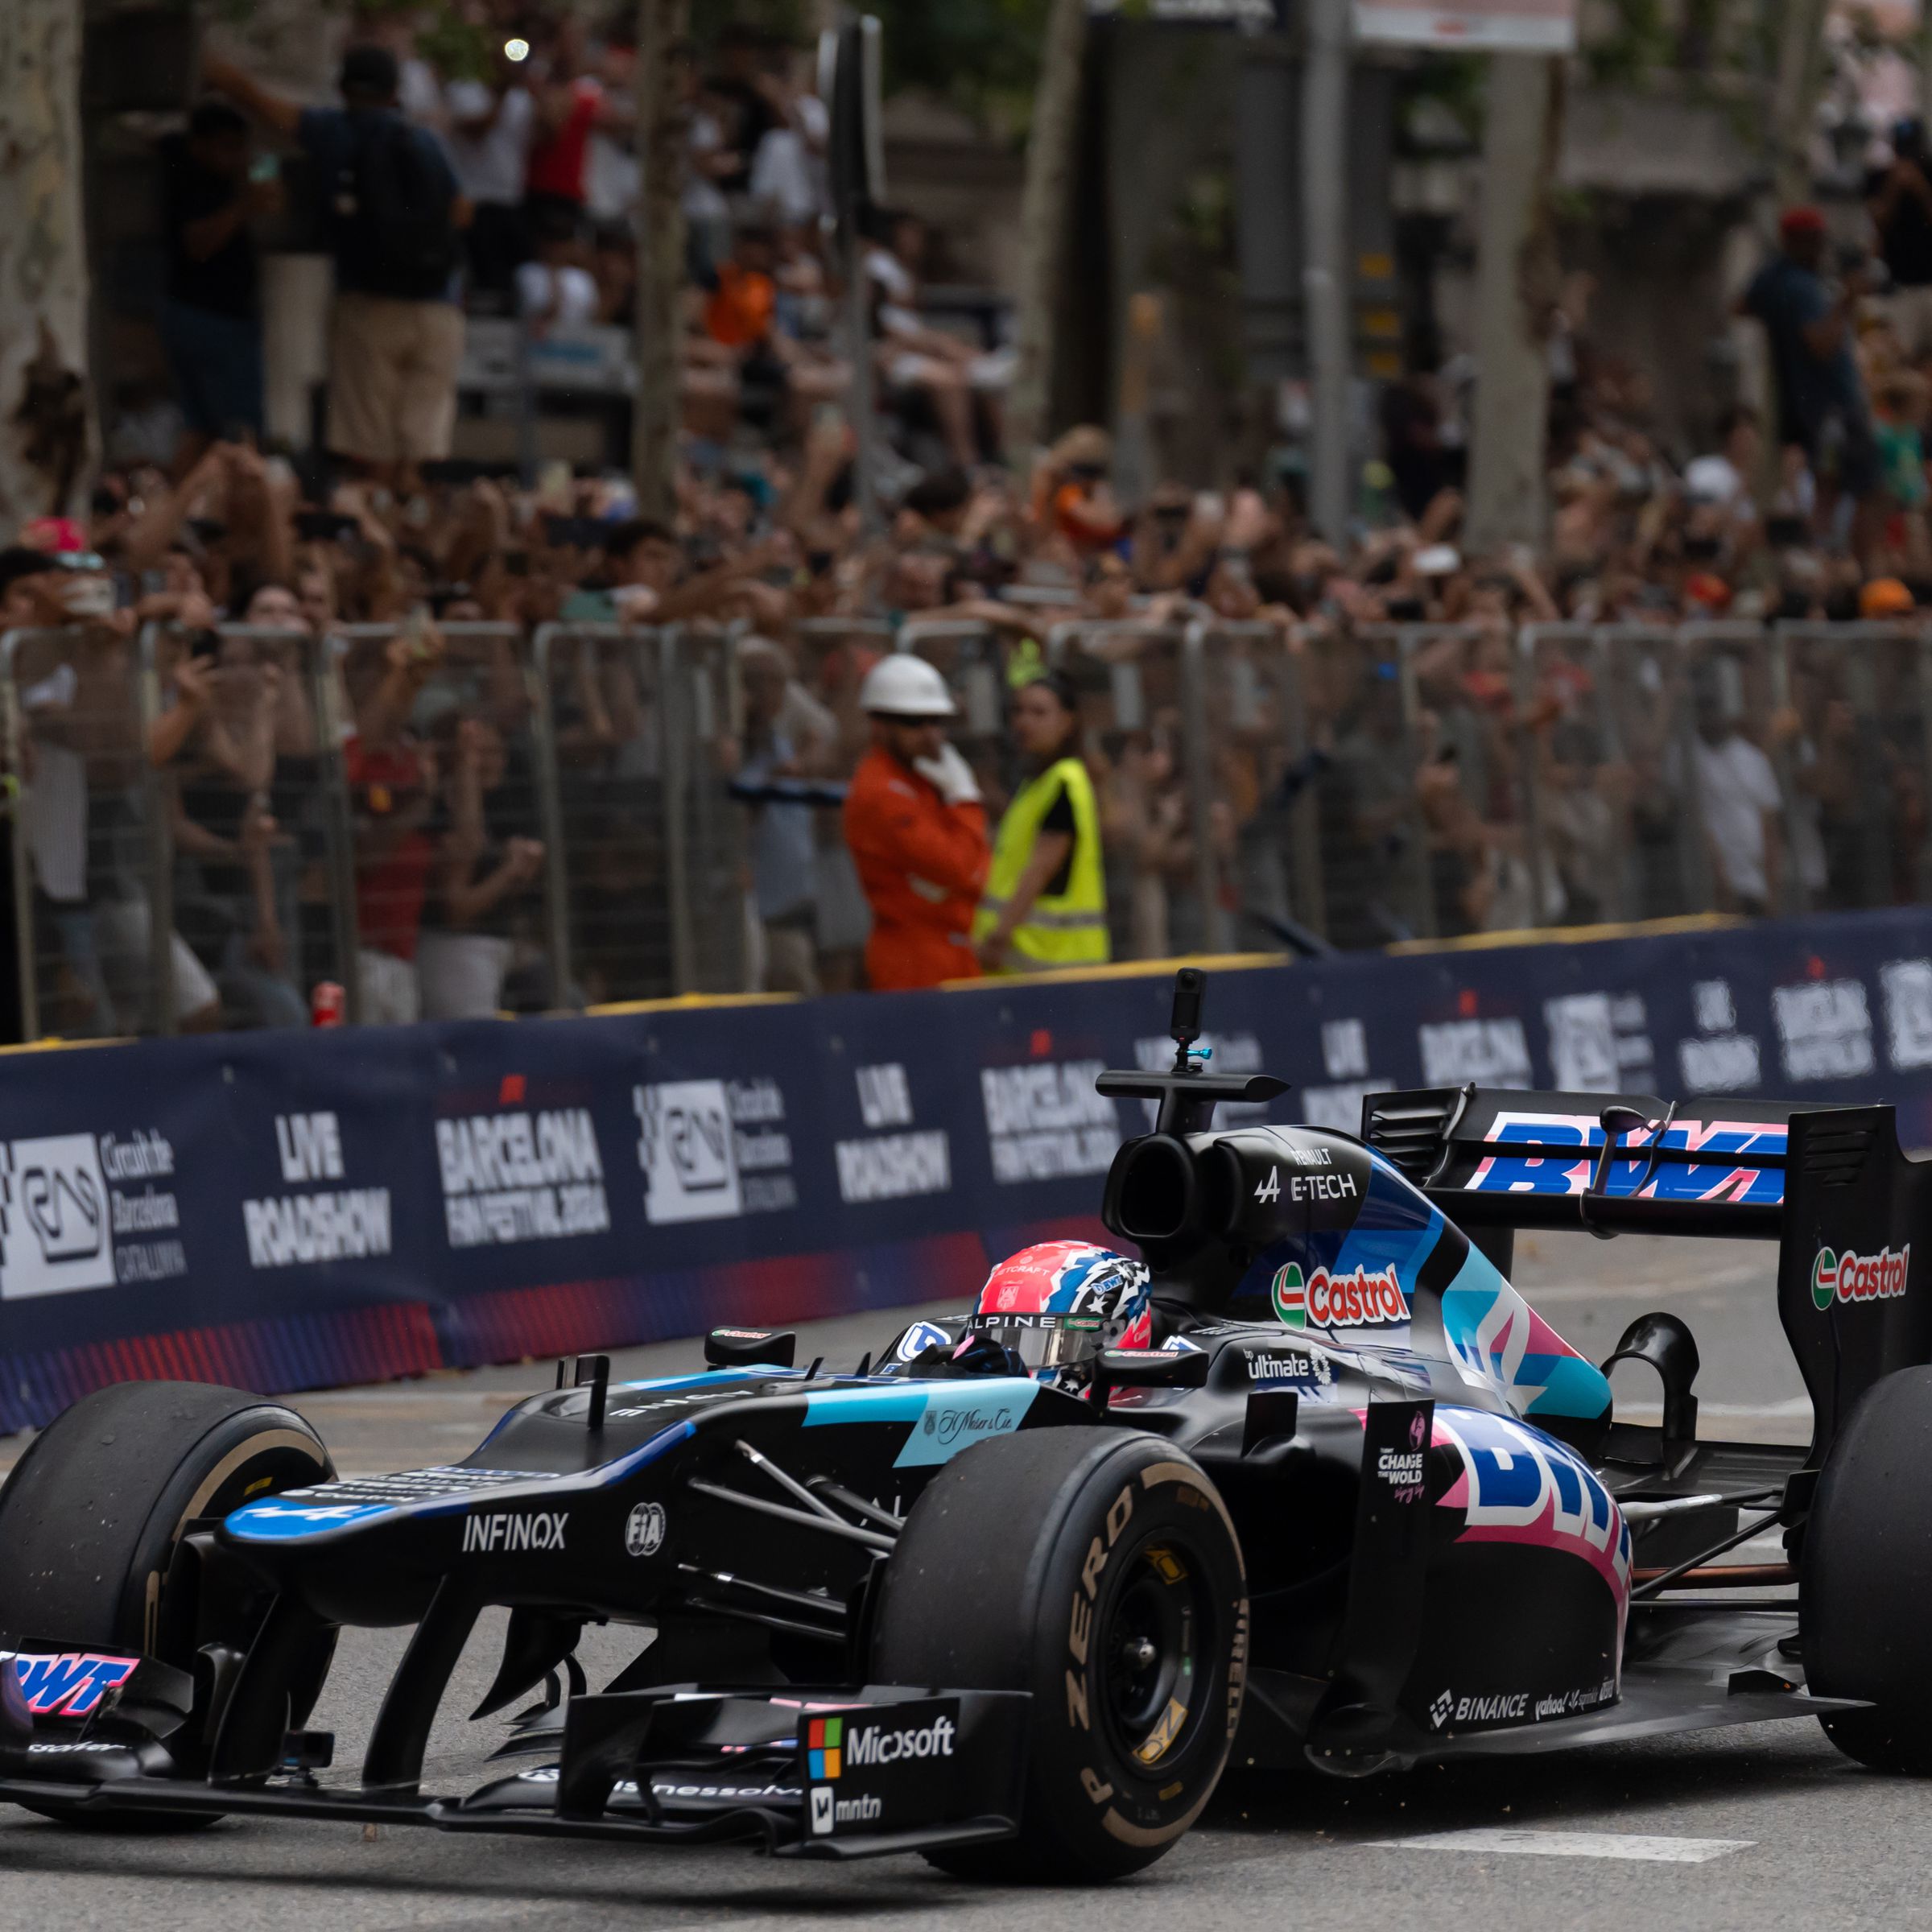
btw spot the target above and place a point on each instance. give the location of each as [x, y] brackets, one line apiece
[1761, 1827]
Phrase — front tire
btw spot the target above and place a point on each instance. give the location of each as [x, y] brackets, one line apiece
[94, 1512]
[1866, 1576]
[1099, 1572]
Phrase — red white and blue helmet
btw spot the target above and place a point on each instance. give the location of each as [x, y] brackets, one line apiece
[1057, 1304]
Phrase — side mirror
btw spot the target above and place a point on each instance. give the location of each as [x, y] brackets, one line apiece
[747, 1347]
[1147, 1368]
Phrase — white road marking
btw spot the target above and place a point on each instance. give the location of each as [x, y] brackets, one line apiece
[1573, 1844]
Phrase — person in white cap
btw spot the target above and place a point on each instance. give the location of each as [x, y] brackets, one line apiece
[917, 831]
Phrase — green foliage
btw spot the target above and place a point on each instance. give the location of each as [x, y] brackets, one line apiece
[1641, 41]
[783, 19]
[1456, 84]
[458, 45]
[983, 55]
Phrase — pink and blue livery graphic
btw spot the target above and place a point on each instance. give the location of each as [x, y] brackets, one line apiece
[1518, 1486]
[1743, 1181]
[69, 1683]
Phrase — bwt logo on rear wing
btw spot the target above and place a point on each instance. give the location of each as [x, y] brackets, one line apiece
[1501, 1159]
[1717, 1161]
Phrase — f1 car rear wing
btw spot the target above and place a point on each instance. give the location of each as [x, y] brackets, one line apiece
[1830, 1185]
[1538, 1160]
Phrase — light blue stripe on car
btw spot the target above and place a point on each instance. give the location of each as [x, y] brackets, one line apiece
[897, 1403]
[946, 1416]
[281, 1523]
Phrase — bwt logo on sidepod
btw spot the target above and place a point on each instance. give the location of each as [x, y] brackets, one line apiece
[1517, 1486]
[1859, 1277]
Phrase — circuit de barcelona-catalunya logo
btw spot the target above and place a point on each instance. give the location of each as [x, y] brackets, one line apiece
[1859, 1277]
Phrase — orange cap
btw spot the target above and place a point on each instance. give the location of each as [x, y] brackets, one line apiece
[1885, 597]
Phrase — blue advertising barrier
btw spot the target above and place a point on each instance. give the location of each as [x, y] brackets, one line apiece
[284, 1212]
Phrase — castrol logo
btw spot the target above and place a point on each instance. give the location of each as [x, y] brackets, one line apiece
[1322, 1300]
[1860, 1277]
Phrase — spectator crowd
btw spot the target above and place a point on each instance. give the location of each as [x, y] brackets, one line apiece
[1122, 727]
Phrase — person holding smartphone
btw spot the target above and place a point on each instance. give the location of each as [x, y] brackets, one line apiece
[214, 188]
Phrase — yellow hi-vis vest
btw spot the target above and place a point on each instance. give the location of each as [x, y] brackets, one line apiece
[1065, 928]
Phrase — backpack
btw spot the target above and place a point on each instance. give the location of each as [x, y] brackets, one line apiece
[395, 234]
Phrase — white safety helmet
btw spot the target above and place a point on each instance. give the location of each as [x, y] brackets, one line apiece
[903, 685]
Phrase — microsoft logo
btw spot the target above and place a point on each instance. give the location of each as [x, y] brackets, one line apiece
[826, 1741]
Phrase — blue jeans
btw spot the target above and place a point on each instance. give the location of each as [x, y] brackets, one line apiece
[216, 362]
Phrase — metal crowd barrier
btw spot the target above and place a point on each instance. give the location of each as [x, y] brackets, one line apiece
[1249, 715]
[1142, 707]
[482, 702]
[303, 792]
[88, 851]
[1357, 786]
[670, 701]
[1855, 763]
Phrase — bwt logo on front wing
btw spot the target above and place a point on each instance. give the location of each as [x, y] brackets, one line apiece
[511, 1533]
[69, 1683]
[1860, 1277]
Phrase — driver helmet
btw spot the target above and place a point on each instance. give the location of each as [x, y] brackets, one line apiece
[1057, 1304]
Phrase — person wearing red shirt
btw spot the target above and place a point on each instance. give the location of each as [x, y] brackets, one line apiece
[392, 780]
[917, 831]
[394, 787]
[567, 111]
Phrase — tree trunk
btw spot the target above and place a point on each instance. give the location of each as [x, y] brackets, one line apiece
[1801, 64]
[1925, 61]
[1327, 277]
[45, 427]
[662, 24]
[1516, 274]
[1052, 148]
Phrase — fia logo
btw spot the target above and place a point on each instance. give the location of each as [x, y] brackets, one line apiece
[644, 1532]
[821, 1809]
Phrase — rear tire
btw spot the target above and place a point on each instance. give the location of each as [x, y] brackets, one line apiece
[1099, 1572]
[93, 1513]
[1866, 1577]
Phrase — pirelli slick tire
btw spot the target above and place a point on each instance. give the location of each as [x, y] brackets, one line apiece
[92, 1514]
[1866, 1577]
[1099, 1571]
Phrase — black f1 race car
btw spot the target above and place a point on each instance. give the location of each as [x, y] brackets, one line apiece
[1310, 1484]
